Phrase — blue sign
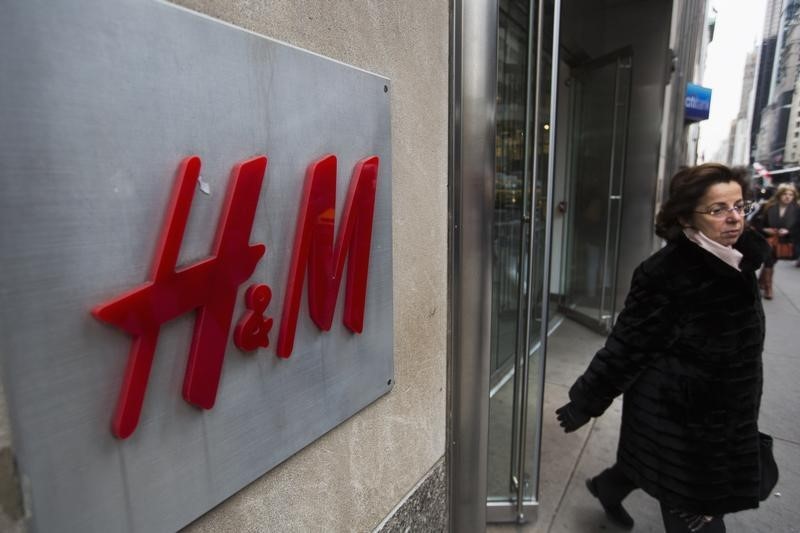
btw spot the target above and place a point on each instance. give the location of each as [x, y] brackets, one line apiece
[697, 102]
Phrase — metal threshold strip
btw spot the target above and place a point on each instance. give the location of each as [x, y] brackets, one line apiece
[498, 512]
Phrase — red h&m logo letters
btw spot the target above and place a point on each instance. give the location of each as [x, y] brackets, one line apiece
[210, 286]
[313, 247]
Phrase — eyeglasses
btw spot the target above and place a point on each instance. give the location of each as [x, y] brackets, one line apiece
[722, 211]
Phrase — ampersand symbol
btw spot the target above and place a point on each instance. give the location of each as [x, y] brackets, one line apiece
[253, 328]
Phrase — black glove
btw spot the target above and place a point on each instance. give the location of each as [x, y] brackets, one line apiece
[571, 418]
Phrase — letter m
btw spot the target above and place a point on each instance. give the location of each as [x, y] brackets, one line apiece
[314, 249]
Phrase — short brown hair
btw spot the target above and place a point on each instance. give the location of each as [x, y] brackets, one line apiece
[685, 190]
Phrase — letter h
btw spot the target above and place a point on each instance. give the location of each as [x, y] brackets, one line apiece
[210, 286]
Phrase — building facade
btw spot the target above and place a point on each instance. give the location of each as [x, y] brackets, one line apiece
[740, 138]
[764, 67]
[792, 151]
[771, 140]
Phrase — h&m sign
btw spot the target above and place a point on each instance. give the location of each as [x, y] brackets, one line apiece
[211, 285]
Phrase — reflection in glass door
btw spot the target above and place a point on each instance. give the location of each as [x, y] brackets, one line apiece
[522, 151]
[511, 189]
[598, 135]
[510, 252]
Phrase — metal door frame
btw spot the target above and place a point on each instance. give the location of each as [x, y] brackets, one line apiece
[473, 84]
[601, 324]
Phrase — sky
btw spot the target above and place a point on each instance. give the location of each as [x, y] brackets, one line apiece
[737, 32]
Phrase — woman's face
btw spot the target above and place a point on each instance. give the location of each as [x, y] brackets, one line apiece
[787, 197]
[726, 229]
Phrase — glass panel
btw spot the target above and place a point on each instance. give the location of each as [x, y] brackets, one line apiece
[540, 212]
[539, 189]
[510, 169]
[514, 409]
[598, 141]
[510, 238]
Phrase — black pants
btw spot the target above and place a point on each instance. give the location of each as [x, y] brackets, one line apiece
[613, 486]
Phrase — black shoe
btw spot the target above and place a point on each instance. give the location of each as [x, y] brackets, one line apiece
[616, 512]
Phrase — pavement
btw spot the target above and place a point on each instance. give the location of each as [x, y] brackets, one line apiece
[568, 459]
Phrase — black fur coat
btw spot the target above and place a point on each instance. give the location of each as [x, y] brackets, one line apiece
[686, 353]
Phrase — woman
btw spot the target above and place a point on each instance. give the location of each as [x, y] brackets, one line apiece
[780, 217]
[686, 353]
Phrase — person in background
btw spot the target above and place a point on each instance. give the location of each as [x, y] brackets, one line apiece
[779, 219]
[759, 197]
[685, 353]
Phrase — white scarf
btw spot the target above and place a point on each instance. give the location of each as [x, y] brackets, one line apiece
[728, 254]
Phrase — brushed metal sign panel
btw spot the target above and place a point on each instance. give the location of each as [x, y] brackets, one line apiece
[99, 102]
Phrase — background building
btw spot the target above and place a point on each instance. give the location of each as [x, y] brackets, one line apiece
[774, 120]
[764, 67]
[740, 130]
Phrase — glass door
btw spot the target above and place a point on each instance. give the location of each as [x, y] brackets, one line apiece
[600, 95]
[511, 188]
[524, 64]
[510, 233]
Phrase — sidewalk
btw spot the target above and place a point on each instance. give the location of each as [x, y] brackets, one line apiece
[567, 460]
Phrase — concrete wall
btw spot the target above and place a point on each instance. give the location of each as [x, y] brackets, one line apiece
[351, 478]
